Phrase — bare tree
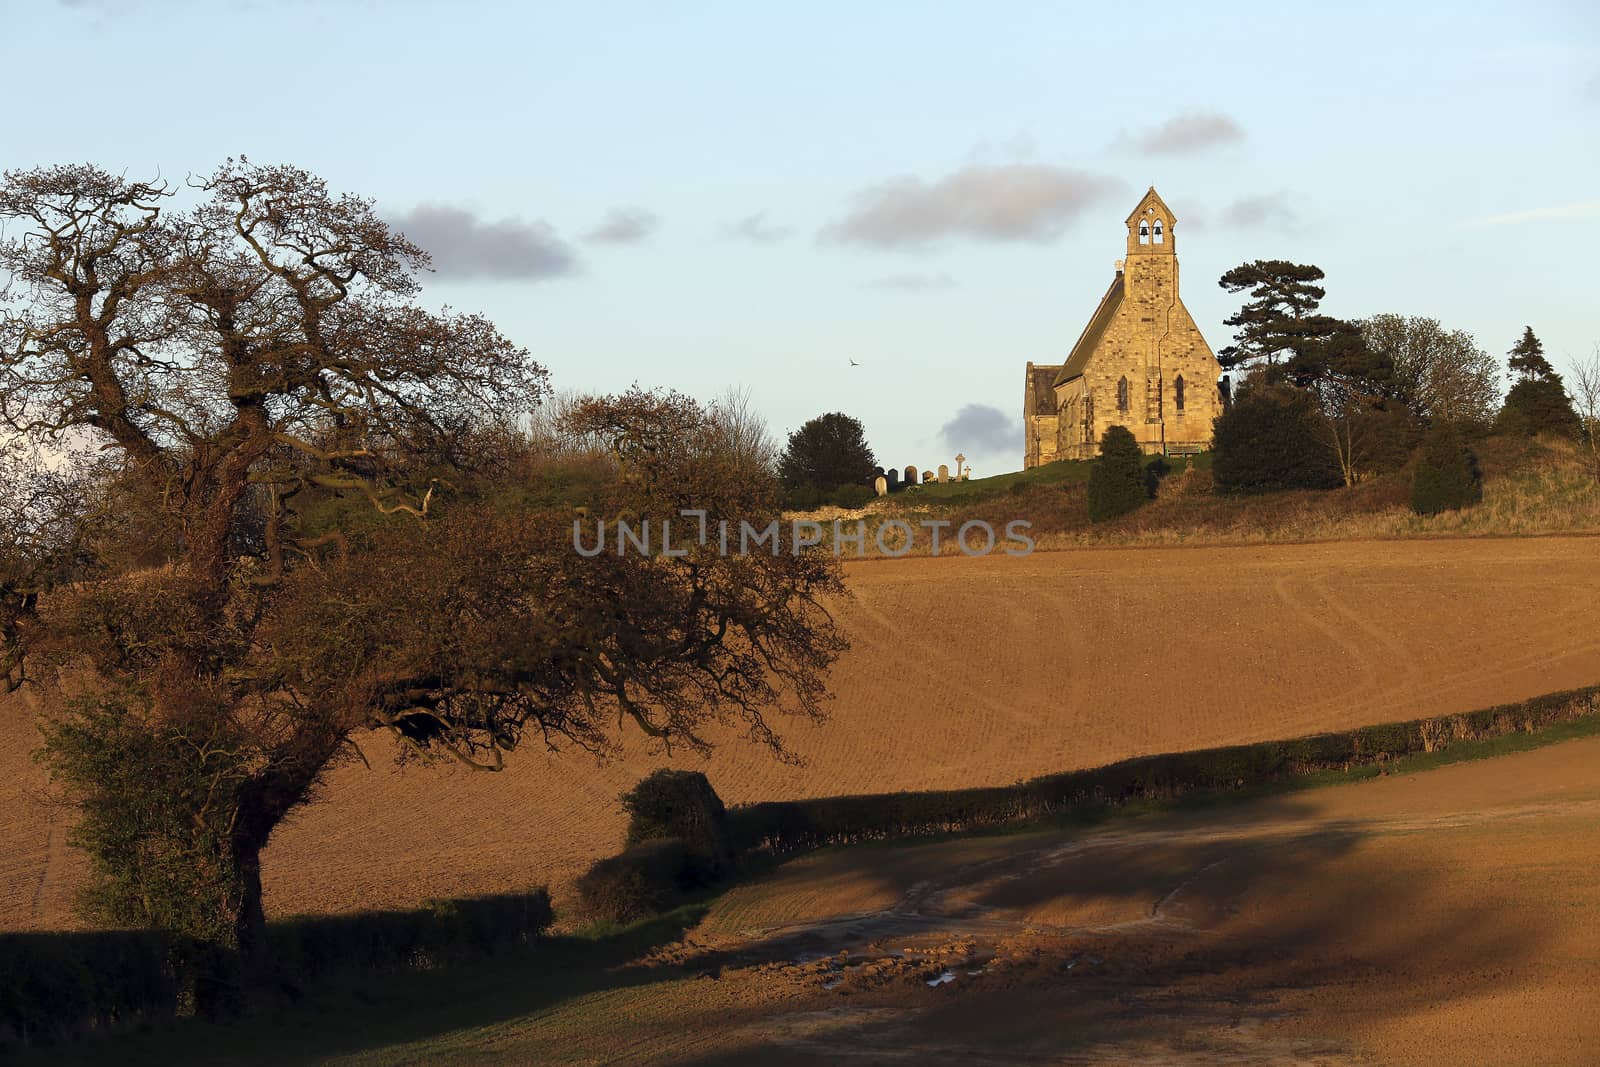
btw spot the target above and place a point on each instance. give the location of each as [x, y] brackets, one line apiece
[743, 430]
[1586, 398]
[1440, 374]
[254, 372]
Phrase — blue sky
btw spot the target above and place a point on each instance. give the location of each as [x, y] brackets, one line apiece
[699, 195]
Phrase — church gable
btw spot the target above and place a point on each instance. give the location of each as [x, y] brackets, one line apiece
[1141, 362]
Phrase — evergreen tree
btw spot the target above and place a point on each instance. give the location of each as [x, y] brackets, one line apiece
[827, 452]
[1527, 357]
[1279, 328]
[1271, 439]
[1447, 475]
[1538, 402]
[1116, 479]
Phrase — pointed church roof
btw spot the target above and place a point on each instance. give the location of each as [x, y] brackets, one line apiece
[1151, 197]
[1091, 333]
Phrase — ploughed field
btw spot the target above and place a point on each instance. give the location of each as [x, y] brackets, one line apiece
[1449, 916]
[963, 672]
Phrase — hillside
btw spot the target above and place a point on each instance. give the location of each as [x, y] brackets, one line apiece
[963, 672]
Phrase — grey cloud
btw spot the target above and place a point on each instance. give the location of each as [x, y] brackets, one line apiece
[980, 428]
[1271, 209]
[915, 282]
[1192, 131]
[464, 246]
[1009, 202]
[755, 228]
[624, 226]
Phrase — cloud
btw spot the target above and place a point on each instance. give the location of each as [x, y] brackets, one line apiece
[915, 282]
[979, 428]
[755, 228]
[1019, 147]
[1010, 202]
[1269, 209]
[1582, 209]
[1192, 131]
[464, 246]
[624, 226]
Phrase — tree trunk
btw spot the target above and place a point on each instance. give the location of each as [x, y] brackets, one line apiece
[250, 920]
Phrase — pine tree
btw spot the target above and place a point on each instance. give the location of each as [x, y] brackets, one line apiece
[1116, 480]
[1447, 475]
[1538, 402]
[1279, 326]
[1527, 357]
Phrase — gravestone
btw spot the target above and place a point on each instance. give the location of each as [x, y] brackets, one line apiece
[929, 476]
[911, 475]
[961, 470]
[880, 485]
[894, 479]
[944, 474]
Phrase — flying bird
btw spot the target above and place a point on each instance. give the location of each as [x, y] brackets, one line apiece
[853, 363]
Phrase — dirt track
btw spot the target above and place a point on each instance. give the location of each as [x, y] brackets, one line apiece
[1445, 917]
[963, 672]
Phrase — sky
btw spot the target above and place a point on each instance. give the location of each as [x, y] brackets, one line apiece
[702, 195]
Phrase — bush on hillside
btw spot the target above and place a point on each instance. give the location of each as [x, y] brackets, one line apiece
[1447, 476]
[1538, 405]
[642, 880]
[60, 986]
[1268, 440]
[1116, 480]
[680, 804]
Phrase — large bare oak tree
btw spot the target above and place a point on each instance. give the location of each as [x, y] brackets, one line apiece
[271, 523]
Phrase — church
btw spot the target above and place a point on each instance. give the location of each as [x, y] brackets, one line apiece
[1140, 362]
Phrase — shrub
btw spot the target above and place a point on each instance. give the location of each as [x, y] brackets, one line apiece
[641, 881]
[1538, 405]
[1447, 475]
[680, 804]
[62, 985]
[790, 826]
[1116, 479]
[1268, 440]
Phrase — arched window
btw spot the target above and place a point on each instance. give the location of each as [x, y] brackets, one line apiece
[1159, 236]
[1177, 392]
[1144, 231]
[1122, 394]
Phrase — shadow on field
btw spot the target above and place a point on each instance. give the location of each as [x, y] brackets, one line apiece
[1184, 944]
[364, 1012]
[1184, 937]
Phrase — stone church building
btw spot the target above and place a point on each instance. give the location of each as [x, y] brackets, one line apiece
[1140, 363]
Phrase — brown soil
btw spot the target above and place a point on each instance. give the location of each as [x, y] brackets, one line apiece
[963, 672]
[1445, 917]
